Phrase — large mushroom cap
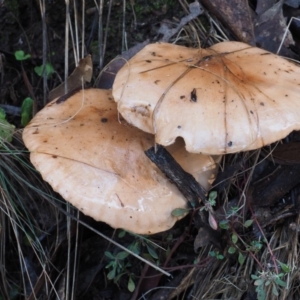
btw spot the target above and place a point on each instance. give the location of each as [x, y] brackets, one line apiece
[224, 99]
[98, 164]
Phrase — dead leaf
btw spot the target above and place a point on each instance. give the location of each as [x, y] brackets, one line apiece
[274, 185]
[234, 14]
[107, 76]
[195, 11]
[269, 28]
[286, 154]
[263, 5]
[207, 236]
[82, 73]
[292, 3]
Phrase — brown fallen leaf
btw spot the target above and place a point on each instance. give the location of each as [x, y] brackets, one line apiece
[286, 154]
[274, 185]
[207, 236]
[235, 15]
[82, 74]
[195, 10]
[263, 5]
[269, 28]
[108, 74]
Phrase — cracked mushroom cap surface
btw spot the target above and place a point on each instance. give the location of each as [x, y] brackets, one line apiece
[98, 164]
[228, 98]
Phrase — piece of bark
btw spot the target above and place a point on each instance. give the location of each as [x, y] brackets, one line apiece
[292, 3]
[280, 180]
[263, 5]
[285, 154]
[184, 181]
[269, 28]
[235, 15]
[225, 177]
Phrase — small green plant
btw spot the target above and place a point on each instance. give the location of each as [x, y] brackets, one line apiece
[143, 243]
[254, 246]
[118, 267]
[216, 254]
[20, 55]
[119, 264]
[6, 129]
[48, 69]
[26, 111]
[233, 218]
[263, 280]
[208, 206]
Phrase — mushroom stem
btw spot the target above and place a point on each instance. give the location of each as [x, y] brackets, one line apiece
[185, 182]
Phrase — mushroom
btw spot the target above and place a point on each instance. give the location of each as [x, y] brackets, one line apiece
[98, 163]
[228, 98]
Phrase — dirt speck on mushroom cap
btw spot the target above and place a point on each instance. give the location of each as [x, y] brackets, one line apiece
[100, 167]
[230, 97]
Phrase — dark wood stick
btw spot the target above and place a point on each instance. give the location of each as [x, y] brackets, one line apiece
[184, 181]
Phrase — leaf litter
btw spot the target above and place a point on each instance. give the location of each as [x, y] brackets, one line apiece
[217, 276]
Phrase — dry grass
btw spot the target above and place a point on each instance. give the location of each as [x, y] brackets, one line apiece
[41, 237]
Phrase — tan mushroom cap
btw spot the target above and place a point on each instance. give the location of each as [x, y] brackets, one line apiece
[98, 164]
[230, 97]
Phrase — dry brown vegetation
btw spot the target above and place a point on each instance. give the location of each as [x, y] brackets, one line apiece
[48, 250]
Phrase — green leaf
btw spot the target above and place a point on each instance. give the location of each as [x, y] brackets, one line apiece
[49, 70]
[261, 294]
[2, 114]
[135, 247]
[224, 224]
[280, 282]
[216, 254]
[6, 129]
[231, 250]
[179, 212]
[220, 256]
[267, 283]
[234, 238]
[122, 234]
[284, 267]
[20, 55]
[248, 223]
[258, 282]
[212, 253]
[169, 238]
[152, 251]
[111, 264]
[233, 211]
[109, 255]
[274, 290]
[131, 285]
[255, 246]
[147, 256]
[212, 196]
[122, 255]
[112, 274]
[241, 258]
[26, 111]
